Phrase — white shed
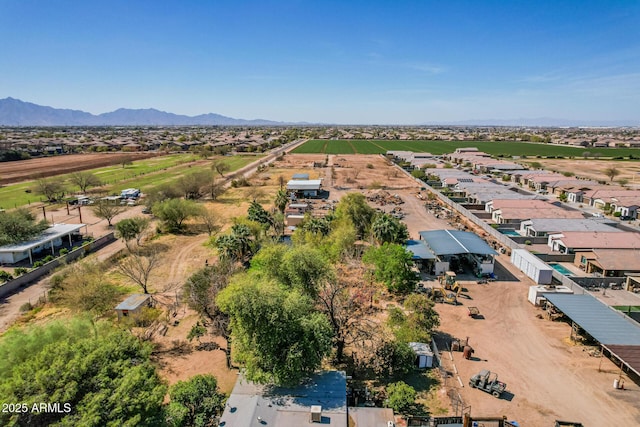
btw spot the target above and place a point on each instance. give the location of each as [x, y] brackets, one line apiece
[536, 293]
[424, 355]
[532, 266]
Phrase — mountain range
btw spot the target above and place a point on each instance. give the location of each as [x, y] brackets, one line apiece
[14, 112]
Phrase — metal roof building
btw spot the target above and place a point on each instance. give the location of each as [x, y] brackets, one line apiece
[254, 405]
[419, 250]
[604, 324]
[300, 184]
[455, 242]
[612, 329]
[48, 239]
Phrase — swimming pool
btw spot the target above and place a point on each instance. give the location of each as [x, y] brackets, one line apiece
[561, 269]
[509, 232]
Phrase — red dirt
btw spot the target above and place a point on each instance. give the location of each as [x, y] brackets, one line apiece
[24, 170]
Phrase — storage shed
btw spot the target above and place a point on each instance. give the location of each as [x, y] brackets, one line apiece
[133, 305]
[424, 355]
[532, 266]
[538, 292]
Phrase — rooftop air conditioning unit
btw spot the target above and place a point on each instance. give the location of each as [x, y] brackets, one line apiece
[316, 414]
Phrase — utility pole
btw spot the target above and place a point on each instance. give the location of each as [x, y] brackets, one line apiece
[80, 213]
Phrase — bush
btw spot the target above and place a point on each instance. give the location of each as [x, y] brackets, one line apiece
[63, 251]
[527, 242]
[4, 276]
[369, 166]
[48, 258]
[27, 306]
[400, 396]
[19, 271]
[38, 264]
[617, 214]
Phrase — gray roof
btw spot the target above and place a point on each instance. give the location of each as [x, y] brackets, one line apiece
[573, 224]
[419, 249]
[603, 323]
[453, 242]
[287, 407]
[133, 302]
[304, 176]
[300, 184]
[54, 232]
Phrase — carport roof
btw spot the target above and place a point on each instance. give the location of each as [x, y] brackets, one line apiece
[453, 242]
[604, 324]
[419, 250]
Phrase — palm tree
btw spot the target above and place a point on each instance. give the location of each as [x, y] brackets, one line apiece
[386, 228]
[281, 200]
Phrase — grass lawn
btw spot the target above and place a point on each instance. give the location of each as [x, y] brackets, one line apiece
[143, 174]
[497, 148]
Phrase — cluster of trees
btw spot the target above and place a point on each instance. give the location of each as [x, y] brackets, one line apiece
[19, 225]
[100, 375]
[297, 304]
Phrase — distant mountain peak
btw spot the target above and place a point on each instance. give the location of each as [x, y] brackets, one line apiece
[15, 112]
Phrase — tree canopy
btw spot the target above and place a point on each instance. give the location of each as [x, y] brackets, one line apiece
[392, 266]
[174, 212]
[195, 402]
[103, 373]
[354, 206]
[19, 226]
[278, 335]
[418, 322]
[386, 228]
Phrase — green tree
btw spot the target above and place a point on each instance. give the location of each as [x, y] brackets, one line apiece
[200, 292]
[418, 173]
[354, 207]
[392, 266]
[258, 214]
[611, 173]
[84, 180]
[220, 166]
[195, 402]
[132, 228]
[106, 209]
[52, 189]
[386, 228]
[19, 226]
[391, 358]
[237, 245]
[278, 335]
[400, 397]
[418, 322]
[103, 373]
[174, 212]
[126, 161]
[85, 288]
[281, 199]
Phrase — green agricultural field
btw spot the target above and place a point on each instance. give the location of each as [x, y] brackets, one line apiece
[496, 148]
[143, 174]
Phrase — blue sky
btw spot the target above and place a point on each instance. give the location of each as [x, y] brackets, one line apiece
[351, 62]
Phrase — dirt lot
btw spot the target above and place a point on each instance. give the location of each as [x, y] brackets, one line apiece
[49, 166]
[548, 378]
[594, 169]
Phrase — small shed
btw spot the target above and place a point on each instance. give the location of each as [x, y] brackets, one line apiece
[532, 266]
[538, 292]
[424, 355]
[133, 305]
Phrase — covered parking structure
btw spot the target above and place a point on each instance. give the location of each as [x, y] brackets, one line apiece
[49, 239]
[617, 334]
[453, 248]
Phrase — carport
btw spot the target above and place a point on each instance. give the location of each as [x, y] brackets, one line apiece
[616, 333]
[446, 244]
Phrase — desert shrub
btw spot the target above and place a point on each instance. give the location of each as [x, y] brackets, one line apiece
[27, 306]
[38, 264]
[527, 242]
[19, 271]
[64, 251]
[369, 166]
[4, 276]
[47, 259]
